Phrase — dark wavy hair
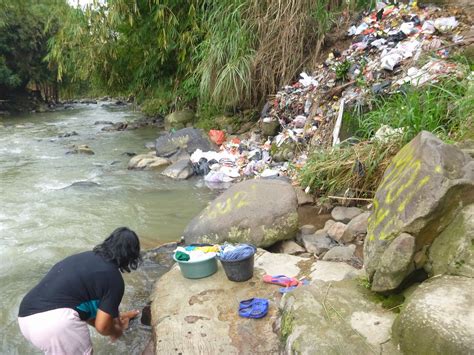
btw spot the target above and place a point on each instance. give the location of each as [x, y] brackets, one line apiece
[122, 248]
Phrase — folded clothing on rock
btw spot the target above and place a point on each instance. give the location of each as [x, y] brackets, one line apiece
[229, 252]
[195, 254]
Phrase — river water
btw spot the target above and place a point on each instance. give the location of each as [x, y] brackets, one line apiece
[42, 219]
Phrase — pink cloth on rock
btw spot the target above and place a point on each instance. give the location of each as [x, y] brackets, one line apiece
[57, 332]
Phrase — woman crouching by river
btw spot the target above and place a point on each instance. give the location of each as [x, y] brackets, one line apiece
[84, 288]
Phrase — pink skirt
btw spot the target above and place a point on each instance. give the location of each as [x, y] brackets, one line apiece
[57, 332]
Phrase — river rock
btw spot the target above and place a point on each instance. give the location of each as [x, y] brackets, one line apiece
[202, 317]
[328, 224]
[438, 318]
[303, 197]
[452, 252]
[426, 185]
[260, 212]
[289, 247]
[181, 170]
[395, 263]
[179, 119]
[337, 230]
[340, 253]
[188, 139]
[181, 154]
[356, 228]
[68, 134]
[103, 123]
[147, 161]
[318, 242]
[333, 271]
[81, 149]
[344, 214]
[307, 229]
[336, 317]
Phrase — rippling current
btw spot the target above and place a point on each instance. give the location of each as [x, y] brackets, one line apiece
[43, 219]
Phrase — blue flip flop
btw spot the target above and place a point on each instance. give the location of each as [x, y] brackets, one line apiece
[291, 288]
[253, 308]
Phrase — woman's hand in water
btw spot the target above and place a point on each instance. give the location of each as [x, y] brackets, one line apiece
[123, 321]
[129, 315]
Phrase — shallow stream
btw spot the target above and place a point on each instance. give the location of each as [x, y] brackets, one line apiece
[43, 219]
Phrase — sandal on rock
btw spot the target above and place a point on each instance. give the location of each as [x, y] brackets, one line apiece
[281, 280]
[253, 308]
[291, 288]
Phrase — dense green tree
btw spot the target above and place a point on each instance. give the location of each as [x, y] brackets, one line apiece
[25, 28]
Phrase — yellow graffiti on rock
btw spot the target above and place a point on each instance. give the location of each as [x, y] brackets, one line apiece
[235, 202]
[400, 185]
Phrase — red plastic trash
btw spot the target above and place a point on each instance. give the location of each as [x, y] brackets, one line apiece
[217, 136]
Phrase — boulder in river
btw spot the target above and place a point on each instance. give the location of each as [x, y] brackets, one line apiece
[180, 170]
[147, 161]
[438, 318]
[187, 139]
[179, 119]
[424, 188]
[81, 149]
[260, 212]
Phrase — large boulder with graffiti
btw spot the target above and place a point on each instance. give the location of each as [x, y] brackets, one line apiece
[424, 190]
[260, 212]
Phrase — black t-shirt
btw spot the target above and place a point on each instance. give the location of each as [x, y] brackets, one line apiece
[84, 282]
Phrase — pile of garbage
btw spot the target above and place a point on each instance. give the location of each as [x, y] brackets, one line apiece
[237, 159]
[395, 45]
[385, 53]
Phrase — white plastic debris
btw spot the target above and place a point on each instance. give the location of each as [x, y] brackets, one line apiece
[445, 24]
[385, 133]
[354, 31]
[269, 173]
[408, 28]
[217, 176]
[379, 43]
[307, 80]
[390, 60]
[428, 27]
[211, 155]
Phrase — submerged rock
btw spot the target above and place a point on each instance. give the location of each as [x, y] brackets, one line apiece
[426, 185]
[81, 149]
[82, 184]
[260, 212]
[438, 318]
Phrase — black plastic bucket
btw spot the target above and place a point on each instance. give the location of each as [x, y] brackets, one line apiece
[239, 270]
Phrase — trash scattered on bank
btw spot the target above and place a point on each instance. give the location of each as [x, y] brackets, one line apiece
[394, 46]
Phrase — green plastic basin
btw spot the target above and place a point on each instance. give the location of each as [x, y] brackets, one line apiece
[197, 269]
